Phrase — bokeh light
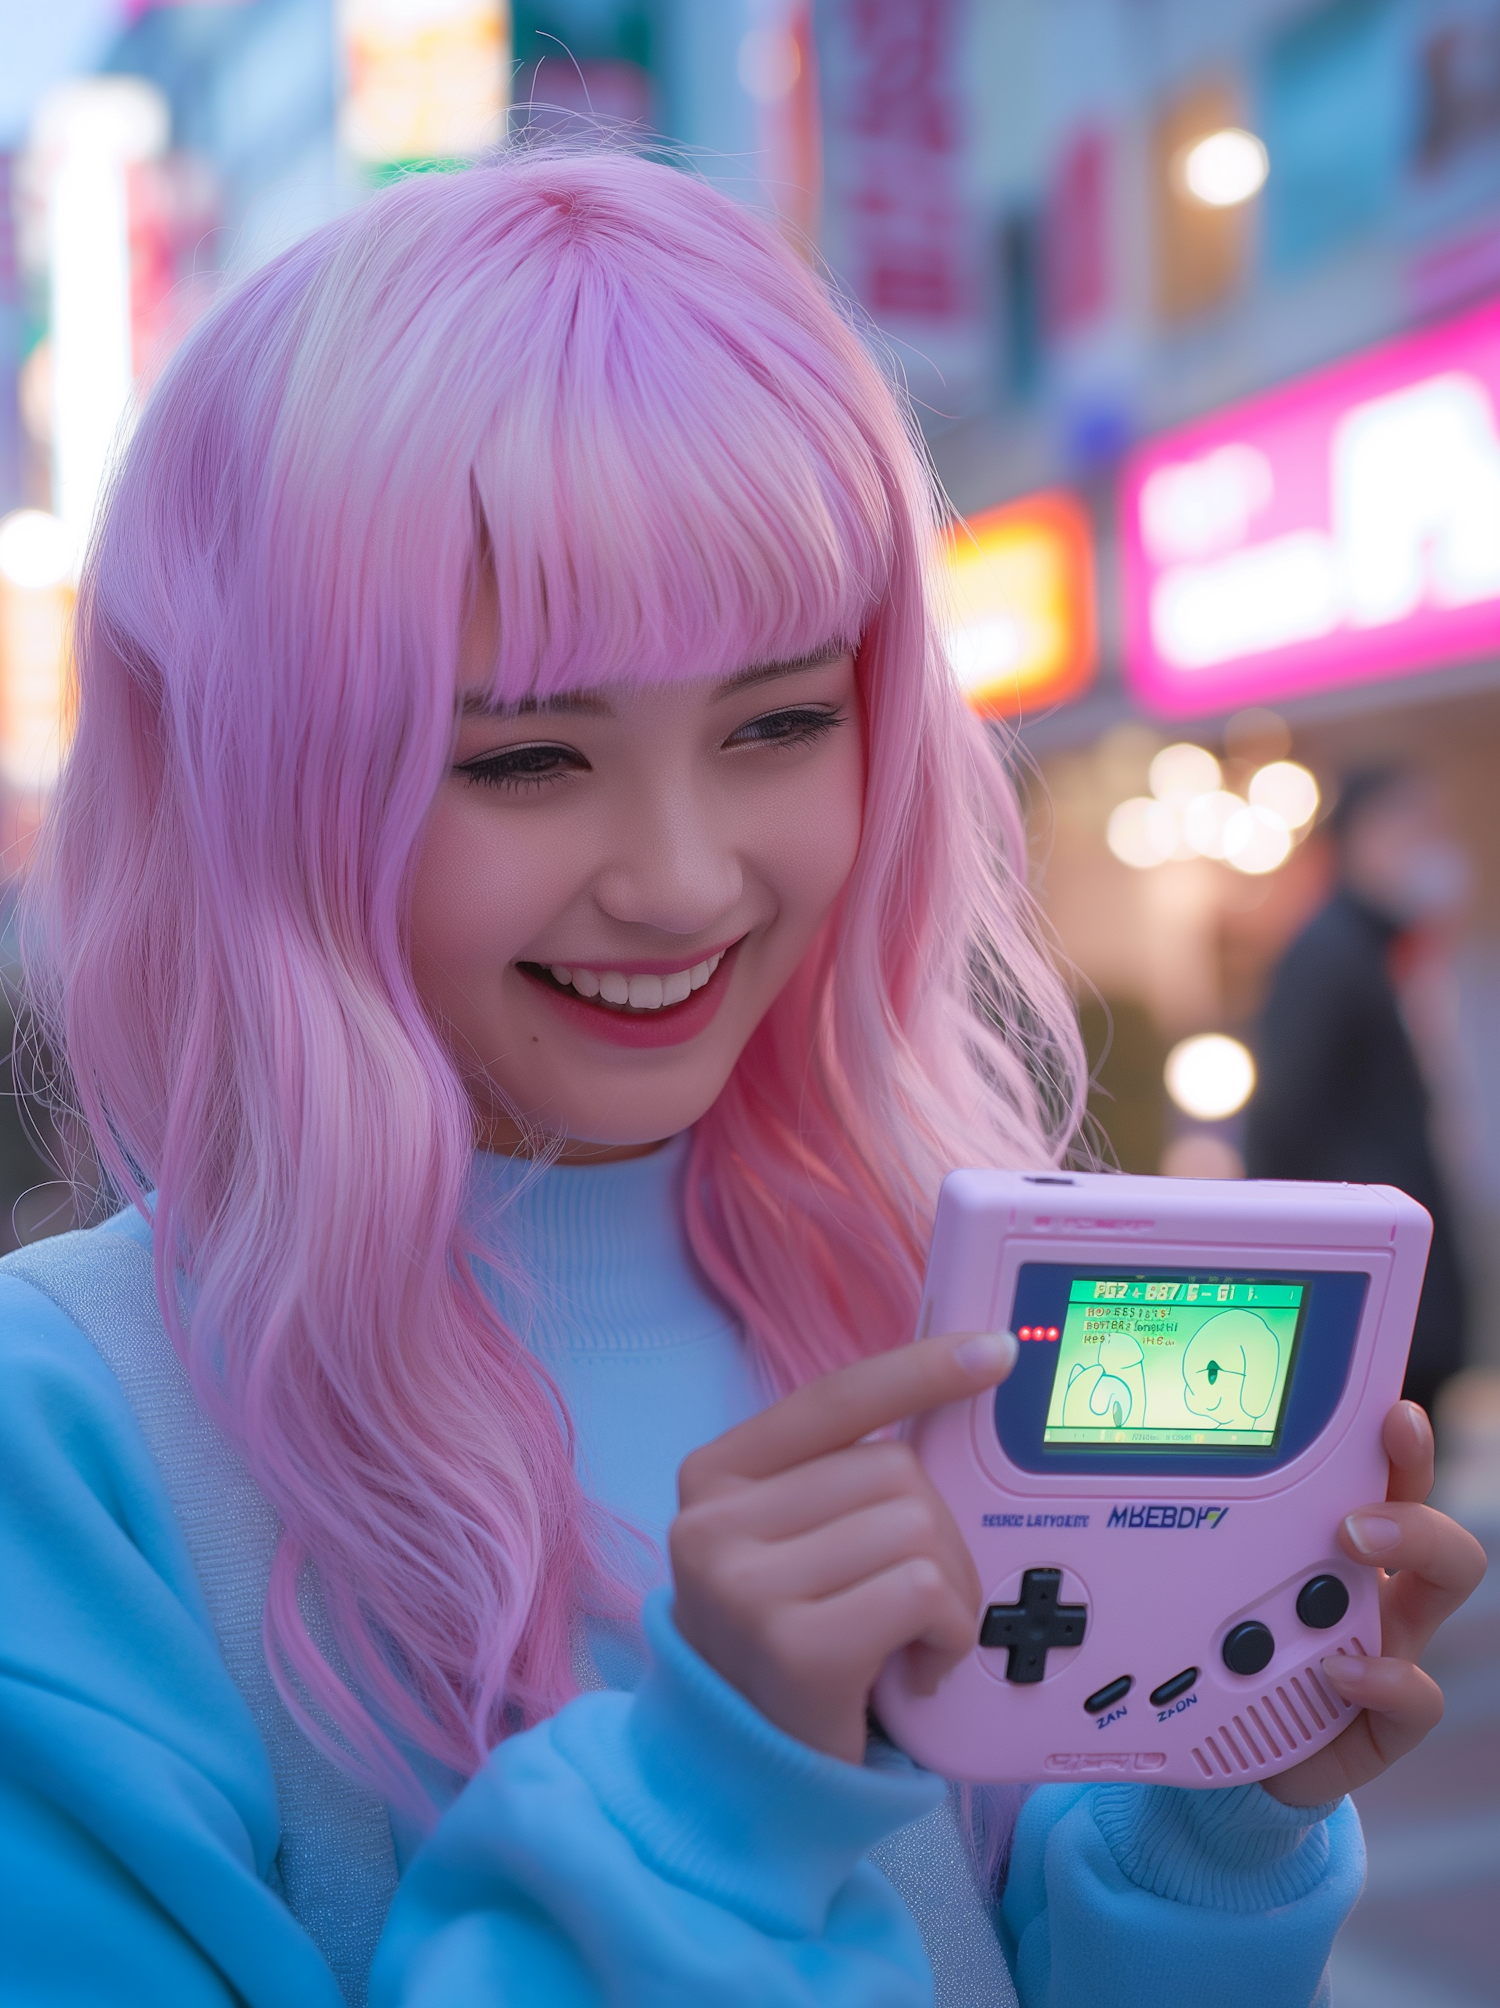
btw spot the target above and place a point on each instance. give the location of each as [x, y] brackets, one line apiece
[1201, 1154]
[1180, 772]
[1142, 832]
[1256, 840]
[1288, 789]
[36, 551]
[1224, 168]
[1206, 822]
[1210, 1076]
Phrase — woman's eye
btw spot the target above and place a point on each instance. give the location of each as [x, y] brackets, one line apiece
[798, 726]
[520, 768]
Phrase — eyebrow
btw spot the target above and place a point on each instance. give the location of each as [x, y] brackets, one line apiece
[595, 703]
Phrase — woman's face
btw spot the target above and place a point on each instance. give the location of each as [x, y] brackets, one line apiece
[614, 885]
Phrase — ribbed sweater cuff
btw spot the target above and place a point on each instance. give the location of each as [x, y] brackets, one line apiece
[720, 1801]
[1238, 1850]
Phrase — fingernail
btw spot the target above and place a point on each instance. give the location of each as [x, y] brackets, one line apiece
[1372, 1533]
[1344, 1670]
[1417, 1423]
[987, 1353]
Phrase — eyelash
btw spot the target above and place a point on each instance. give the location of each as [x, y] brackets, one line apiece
[800, 725]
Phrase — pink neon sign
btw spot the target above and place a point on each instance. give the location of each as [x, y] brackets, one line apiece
[1342, 529]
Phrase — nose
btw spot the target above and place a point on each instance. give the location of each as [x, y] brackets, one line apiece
[673, 865]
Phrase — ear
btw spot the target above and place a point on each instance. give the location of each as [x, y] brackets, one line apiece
[1261, 1352]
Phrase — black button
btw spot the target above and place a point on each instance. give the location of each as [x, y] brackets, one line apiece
[1034, 1626]
[1322, 1602]
[1108, 1696]
[1178, 1684]
[1249, 1647]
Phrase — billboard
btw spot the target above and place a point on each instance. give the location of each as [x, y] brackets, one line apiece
[1343, 528]
[1021, 600]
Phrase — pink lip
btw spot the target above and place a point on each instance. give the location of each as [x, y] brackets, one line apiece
[672, 1025]
[658, 967]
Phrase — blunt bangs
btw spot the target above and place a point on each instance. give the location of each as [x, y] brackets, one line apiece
[672, 488]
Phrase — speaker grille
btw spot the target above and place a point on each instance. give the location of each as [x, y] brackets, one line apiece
[1275, 1726]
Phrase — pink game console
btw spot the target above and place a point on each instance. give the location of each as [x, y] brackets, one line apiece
[1152, 1498]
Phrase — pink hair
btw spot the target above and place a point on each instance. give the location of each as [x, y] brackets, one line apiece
[681, 459]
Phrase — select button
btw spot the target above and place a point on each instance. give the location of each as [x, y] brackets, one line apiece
[1170, 1689]
[1108, 1696]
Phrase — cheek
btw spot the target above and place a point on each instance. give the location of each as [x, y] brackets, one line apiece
[477, 898]
[811, 837]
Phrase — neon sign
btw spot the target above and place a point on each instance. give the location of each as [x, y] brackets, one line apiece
[1021, 595]
[1343, 529]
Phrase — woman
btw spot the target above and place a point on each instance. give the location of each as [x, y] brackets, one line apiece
[511, 717]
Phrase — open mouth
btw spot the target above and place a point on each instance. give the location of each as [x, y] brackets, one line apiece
[639, 993]
[636, 1007]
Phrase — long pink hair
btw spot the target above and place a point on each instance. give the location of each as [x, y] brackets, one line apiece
[627, 394]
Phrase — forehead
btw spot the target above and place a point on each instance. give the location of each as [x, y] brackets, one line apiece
[598, 700]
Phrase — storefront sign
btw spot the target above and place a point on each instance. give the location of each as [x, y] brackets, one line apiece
[1343, 529]
[897, 225]
[1021, 598]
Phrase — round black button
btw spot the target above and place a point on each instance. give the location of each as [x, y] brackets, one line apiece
[1322, 1602]
[1249, 1647]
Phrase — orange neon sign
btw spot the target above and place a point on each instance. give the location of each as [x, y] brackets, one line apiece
[1020, 584]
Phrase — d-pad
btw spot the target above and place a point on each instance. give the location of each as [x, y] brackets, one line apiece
[1033, 1626]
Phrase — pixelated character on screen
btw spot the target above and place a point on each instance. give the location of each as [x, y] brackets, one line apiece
[1230, 1370]
[1110, 1392]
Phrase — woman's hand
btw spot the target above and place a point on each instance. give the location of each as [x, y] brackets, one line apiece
[805, 1556]
[1439, 1566]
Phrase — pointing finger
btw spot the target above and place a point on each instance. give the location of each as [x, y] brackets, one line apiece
[843, 1407]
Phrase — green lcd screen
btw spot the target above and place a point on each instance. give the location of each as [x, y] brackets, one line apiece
[1173, 1360]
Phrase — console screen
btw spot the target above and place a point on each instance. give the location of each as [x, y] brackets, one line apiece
[1173, 1360]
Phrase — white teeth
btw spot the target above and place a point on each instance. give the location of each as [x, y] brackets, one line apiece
[641, 993]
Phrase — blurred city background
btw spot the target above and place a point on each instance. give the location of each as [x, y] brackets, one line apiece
[1200, 307]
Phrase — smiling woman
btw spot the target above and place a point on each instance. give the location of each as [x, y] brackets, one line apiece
[512, 728]
[649, 878]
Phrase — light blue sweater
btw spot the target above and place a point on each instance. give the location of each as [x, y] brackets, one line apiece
[165, 1837]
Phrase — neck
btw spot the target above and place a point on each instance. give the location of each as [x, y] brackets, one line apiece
[504, 1138]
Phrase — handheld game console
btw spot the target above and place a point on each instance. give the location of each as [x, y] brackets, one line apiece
[1152, 1498]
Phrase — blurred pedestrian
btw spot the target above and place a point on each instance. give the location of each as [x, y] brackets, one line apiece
[1340, 1093]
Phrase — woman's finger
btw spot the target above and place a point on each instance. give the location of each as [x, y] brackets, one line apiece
[1440, 1564]
[829, 1559]
[790, 1502]
[1399, 1705]
[912, 1601]
[843, 1407]
[1407, 1437]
